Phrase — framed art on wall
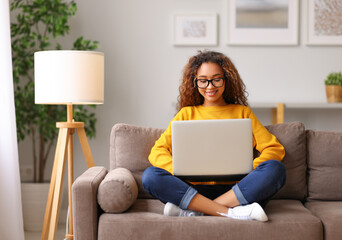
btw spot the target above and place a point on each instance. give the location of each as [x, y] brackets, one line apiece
[324, 19]
[255, 22]
[195, 29]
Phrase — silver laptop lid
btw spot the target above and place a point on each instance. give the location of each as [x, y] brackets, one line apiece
[212, 149]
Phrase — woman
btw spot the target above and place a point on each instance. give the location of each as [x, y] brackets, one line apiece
[212, 89]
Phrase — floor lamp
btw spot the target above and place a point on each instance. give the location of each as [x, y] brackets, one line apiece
[68, 78]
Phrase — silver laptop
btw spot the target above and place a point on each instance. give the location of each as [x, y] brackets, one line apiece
[204, 150]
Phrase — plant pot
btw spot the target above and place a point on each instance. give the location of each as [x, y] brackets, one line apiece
[34, 198]
[334, 93]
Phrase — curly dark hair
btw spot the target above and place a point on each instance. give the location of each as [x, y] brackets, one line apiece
[234, 92]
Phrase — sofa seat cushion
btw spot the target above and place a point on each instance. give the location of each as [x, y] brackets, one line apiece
[145, 220]
[324, 165]
[330, 214]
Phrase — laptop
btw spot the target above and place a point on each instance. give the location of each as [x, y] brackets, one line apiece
[212, 150]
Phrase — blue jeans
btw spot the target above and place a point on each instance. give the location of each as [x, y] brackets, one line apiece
[258, 186]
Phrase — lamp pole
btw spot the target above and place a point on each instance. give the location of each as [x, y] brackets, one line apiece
[70, 170]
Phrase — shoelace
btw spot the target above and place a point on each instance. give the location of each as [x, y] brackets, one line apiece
[241, 217]
[235, 216]
[189, 213]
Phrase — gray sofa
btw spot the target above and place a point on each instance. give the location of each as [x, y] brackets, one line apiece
[114, 205]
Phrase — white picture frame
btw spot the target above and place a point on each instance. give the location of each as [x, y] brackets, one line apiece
[195, 29]
[244, 30]
[324, 22]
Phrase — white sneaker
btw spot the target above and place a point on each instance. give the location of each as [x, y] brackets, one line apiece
[172, 210]
[248, 212]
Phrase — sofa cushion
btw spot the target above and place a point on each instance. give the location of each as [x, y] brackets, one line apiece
[130, 147]
[145, 220]
[118, 191]
[324, 165]
[292, 137]
[330, 214]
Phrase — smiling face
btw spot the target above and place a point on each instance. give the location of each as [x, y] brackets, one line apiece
[212, 95]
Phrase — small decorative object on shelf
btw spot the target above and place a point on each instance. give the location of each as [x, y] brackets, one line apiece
[333, 87]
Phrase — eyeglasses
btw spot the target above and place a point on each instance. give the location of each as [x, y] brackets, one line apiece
[204, 83]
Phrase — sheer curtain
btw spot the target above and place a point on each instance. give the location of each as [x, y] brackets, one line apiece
[11, 219]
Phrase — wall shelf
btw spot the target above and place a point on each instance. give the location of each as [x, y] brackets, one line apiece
[278, 109]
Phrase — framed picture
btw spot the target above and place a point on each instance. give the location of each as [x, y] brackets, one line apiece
[195, 29]
[255, 22]
[324, 22]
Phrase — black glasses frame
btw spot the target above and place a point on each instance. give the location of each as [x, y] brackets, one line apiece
[208, 82]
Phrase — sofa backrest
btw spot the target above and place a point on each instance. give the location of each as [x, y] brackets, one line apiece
[131, 145]
[292, 137]
[129, 148]
[324, 150]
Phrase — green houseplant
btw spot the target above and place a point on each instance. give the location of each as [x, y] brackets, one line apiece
[39, 25]
[333, 87]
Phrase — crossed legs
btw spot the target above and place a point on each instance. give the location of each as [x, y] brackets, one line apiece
[199, 203]
[258, 186]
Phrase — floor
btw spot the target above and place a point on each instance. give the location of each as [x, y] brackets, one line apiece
[60, 234]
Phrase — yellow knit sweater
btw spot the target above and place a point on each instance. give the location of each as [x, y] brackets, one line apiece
[263, 141]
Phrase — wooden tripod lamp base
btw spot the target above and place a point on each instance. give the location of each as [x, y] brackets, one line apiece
[64, 142]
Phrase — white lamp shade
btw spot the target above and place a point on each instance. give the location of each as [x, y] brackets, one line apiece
[69, 77]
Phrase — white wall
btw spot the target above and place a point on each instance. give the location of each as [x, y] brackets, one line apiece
[143, 68]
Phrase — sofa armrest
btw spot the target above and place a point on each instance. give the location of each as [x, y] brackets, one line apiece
[84, 201]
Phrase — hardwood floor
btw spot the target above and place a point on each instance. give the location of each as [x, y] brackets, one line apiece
[60, 234]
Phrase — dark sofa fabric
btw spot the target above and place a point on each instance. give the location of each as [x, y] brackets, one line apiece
[330, 213]
[324, 165]
[292, 137]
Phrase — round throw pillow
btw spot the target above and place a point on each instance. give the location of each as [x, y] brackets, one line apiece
[118, 191]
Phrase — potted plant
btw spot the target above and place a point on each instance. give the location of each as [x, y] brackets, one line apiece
[333, 87]
[38, 25]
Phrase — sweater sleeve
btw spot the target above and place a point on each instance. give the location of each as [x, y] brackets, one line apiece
[265, 142]
[161, 152]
